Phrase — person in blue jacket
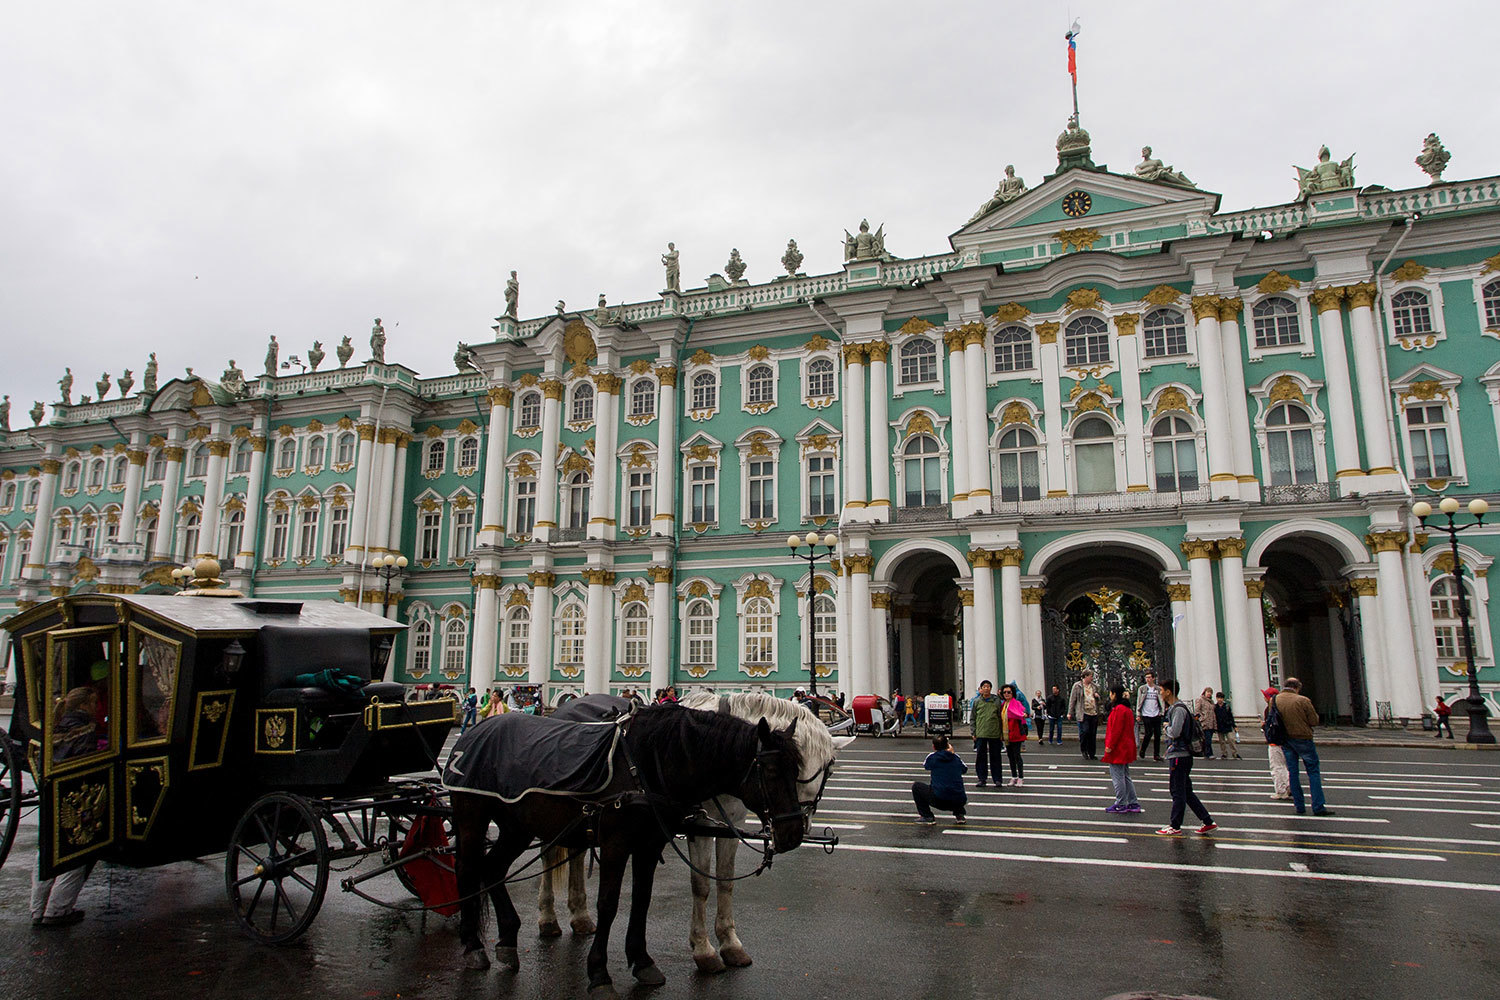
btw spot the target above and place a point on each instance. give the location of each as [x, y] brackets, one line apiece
[946, 790]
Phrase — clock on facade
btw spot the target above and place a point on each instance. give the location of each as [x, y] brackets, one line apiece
[1076, 203]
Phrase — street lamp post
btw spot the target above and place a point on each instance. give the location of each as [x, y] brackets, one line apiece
[1479, 723]
[388, 567]
[811, 543]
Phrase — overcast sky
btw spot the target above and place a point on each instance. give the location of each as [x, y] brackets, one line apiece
[192, 177]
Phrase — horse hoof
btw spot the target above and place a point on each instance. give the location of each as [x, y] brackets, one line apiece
[737, 957]
[509, 958]
[476, 960]
[650, 975]
[549, 929]
[710, 964]
[583, 926]
[604, 991]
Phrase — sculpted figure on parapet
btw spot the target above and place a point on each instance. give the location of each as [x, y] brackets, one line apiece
[1325, 176]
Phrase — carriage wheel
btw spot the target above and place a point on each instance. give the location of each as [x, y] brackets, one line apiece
[276, 869]
[11, 778]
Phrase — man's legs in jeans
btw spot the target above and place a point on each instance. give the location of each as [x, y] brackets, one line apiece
[1150, 729]
[921, 793]
[1293, 778]
[1180, 781]
[1307, 750]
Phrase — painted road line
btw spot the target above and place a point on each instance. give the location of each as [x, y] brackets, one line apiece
[840, 826]
[1269, 849]
[1256, 788]
[938, 852]
[1199, 777]
[915, 761]
[1038, 836]
[1487, 826]
[1143, 824]
[1042, 805]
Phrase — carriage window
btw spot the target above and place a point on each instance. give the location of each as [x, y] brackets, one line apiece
[154, 665]
[80, 694]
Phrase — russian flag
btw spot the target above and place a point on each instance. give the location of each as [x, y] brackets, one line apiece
[1072, 37]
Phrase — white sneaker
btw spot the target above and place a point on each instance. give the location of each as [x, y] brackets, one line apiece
[1018, 782]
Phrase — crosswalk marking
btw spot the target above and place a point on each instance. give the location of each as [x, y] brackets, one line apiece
[1272, 849]
[1067, 808]
[1037, 836]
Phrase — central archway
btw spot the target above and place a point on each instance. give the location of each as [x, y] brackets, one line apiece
[926, 637]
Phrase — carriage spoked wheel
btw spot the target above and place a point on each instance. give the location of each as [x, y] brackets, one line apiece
[11, 778]
[398, 826]
[276, 869]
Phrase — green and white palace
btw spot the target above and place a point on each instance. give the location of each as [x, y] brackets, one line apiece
[1108, 425]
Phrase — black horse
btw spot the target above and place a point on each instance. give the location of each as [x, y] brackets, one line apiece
[670, 759]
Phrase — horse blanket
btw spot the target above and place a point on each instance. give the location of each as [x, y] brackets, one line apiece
[513, 755]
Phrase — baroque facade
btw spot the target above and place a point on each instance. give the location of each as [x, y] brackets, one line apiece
[1112, 426]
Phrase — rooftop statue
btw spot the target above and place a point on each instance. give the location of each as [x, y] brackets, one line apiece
[674, 270]
[377, 342]
[345, 351]
[5, 413]
[103, 386]
[512, 295]
[315, 355]
[735, 267]
[148, 377]
[66, 385]
[38, 411]
[85, 400]
[792, 259]
[125, 381]
[1152, 169]
[601, 311]
[1434, 158]
[463, 358]
[1011, 187]
[273, 349]
[1326, 176]
[233, 379]
[867, 245]
[561, 307]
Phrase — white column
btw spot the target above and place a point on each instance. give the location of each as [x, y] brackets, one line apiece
[382, 485]
[662, 613]
[1012, 617]
[166, 520]
[972, 666]
[1243, 688]
[880, 653]
[601, 496]
[546, 487]
[492, 508]
[1374, 402]
[1336, 376]
[880, 431]
[398, 491]
[135, 472]
[1395, 622]
[984, 615]
[34, 569]
[1205, 661]
[255, 504]
[1255, 588]
[860, 678]
[1057, 472]
[1232, 344]
[842, 577]
[1223, 483]
[359, 516]
[854, 430]
[979, 422]
[1031, 601]
[1372, 641]
[908, 650]
[539, 653]
[1419, 601]
[667, 460]
[1183, 647]
[958, 392]
[1137, 477]
[486, 632]
[213, 496]
[597, 639]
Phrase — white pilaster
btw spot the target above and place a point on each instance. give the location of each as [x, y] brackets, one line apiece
[135, 472]
[1184, 649]
[1137, 477]
[1012, 619]
[602, 495]
[484, 646]
[1232, 345]
[1205, 661]
[383, 485]
[972, 665]
[984, 615]
[213, 493]
[1336, 376]
[597, 639]
[539, 653]
[880, 653]
[1372, 641]
[492, 507]
[1395, 624]
[546, 488]
[667, 463]
[978, 418]
[662, 614]
[398, 491]
[1035, 656]
[861, 676]
[1223, 483]
[855, 495]
[958, 390]
[1243, 688]
[1374, 402]
[254, 507]
[34, 569]
[166, 520]
[1255, 588]
[359, 517]
[880, 432]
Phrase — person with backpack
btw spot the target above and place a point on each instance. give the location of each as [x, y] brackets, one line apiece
[1184, 741]
[1443, 710]
[1280, 780]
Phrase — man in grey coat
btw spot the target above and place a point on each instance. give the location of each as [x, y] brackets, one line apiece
[1086, 706]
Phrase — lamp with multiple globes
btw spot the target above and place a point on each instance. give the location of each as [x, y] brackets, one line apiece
[807, 547]
[388, 567]
[1479, 722]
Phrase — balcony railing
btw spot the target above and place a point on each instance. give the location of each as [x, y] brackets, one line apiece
[922, 515]
[1300, 493]
[1103, 503]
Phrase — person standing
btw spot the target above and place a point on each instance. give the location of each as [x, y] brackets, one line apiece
[1443, 711]
[1179, 728]
[1013, 731]
[1057, 707]
[1279, 779]
[946, 788]
[471, 711]
[1224, 727]
[984, 710]
[1300, 719]
[1086, 706]
[1203, 708]
[1039, 714]
[1149, 704]
[1120, 752]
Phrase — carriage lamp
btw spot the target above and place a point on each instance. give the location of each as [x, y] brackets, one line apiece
[1479, 721]
[234, 658]
[383, 647]
[811, 542]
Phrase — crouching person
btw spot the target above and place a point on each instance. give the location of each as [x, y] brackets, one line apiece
[946, 790]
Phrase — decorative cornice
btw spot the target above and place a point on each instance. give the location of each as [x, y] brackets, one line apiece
[1081, 298]
[1162, 295]
[914, 325]
[1076, 239]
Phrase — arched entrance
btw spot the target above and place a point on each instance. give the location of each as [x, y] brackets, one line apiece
[926, 631]
[1318, 625]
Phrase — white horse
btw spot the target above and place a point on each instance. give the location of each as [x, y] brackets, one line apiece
[818, 750]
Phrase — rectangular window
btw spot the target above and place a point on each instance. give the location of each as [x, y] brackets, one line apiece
[281, 522]
[429, 537]
[463, 532]
[525, 506]
[639, 499]
[705, 493]
[1427, 432]
[762, 483]
[820, 483]
[338, 530]
[307, 533]
[518, 639]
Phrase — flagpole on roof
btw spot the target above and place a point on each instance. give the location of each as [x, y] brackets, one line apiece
[1073, 63]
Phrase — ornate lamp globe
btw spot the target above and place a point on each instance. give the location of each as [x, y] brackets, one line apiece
[792, 541]
[1448, 506]
[1478, 507]
[830, 540]
[1421, 509]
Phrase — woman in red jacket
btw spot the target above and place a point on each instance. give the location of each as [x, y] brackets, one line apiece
[1119, 751]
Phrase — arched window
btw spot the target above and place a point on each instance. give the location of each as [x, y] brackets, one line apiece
[1020, 465]
[1411, 313]
[1175, 448]
[72, 476]
[4, 552]
[33, 490]
[705, 391]
[348, 443]
[636, 635]
[148, 537]
[1490, 294]
[190, 528]
[1427, 433]
[760, 632]
[1289, 443]
[529, 413]
[820, 378]
[316, 450]
[643, 398]
[825, 633]
[117, 471]
[234, 533]
[1276, 322]
[437, 455]
[578, 500]
[421, 648]
[242, 452]
[700, 630]
[8, 495]
[198, 462]
[570, 638]
[1086, 342]
[96, 474]
[1094, 456]
[1446, 624]
[918, 361]
[158, 470]
[111, 519]
[455, 647]
[1165, 332]
[922, 472]
[1013, 349]
[468, 453]
[88, 533]
[518, 637]
[286, 455]
[760, 385]
[583, 403]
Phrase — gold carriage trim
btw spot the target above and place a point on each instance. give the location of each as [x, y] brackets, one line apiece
[276, 731]
[142, 802]
[82, 808]
[211, 718]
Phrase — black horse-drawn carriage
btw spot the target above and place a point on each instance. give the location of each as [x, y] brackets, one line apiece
[168, 727]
